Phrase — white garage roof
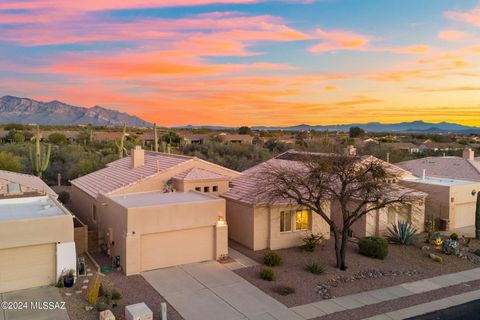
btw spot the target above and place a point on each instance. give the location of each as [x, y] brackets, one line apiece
[157, 198]
[441, 181]
[27, 208]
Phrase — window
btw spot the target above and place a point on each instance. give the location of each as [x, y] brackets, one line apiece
[285, 221]
[206, 189]
[215, 188]
[294, 220]
[94, 213]
[198, 189]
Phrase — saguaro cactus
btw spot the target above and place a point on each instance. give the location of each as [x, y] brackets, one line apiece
[122, 151]
[41, 158]
[155, 137]
[477, 217]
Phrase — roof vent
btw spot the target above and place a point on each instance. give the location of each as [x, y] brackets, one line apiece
[13, 188]
[138, 157]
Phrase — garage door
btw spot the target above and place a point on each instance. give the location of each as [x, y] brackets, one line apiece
[464, 215]
[27, 267]
[166, 249]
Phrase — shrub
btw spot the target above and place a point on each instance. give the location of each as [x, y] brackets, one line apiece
[60, 282]
[314, 267]
[102, 307]
[402, 233]
[374, 247]
[267, 274]
[310, 241]
[64, 197]
[116, 295]
[272, 259]
[454, 236]
[284, 290]
[450, 246]
[435, 258]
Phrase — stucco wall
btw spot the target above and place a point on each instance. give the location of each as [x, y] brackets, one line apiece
[240, 222]
[221, 184]
[82, 205]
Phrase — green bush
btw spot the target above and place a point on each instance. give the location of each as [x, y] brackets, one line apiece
[116, 295]
[314, 267]
[311, 241]
[272, 259]
[267, 274]
[402, 233]
[374, 247]
[64, 197]
[454, 237]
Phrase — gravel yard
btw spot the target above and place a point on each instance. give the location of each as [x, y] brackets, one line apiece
[403, 264]
[134, 289]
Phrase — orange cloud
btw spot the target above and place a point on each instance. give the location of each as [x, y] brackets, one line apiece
[415, 49]
[453, 35]
[471, 17]
[338, 40]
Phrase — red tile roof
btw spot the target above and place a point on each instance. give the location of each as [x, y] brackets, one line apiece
[28, 180]
[199, 174]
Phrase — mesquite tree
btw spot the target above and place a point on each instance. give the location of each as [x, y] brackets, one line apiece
[312, 180]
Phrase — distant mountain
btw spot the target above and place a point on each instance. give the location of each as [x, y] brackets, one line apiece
[24, 110]
[412, 127]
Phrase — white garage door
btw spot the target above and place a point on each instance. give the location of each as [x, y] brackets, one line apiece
[464, 215]
[27, 267]
[166, 249]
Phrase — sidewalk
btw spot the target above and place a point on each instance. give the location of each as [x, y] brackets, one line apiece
[326, 307]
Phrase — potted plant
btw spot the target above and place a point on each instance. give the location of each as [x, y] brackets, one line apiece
[69, 278]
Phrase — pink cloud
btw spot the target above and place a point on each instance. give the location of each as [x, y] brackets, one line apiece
[453, 35]
[471, 17]
[339, 40]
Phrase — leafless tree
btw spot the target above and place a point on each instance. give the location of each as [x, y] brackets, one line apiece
[357, 185]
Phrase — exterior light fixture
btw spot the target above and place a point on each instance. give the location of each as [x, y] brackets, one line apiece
[220, 221]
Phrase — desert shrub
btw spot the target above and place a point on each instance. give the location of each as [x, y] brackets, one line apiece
[374, 247]
[64, 197]
[311, 241]
[314, 267]
[60, 283]
[284, 290]
[435, 258]
[272, 259]
[454, 236]
[477, 252]
[102, 307]
[466, 241]
[267, 274]
[450, 246]
[116, 295]
[402, 233]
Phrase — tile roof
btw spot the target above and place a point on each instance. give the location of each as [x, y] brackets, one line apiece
[245, 187]
[119, 174]
[198, 174]
[28, 180]
[444, 167]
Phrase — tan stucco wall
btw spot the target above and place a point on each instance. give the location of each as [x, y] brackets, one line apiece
[35, 231]
[82, 205]
[185, 186]
[258, 227]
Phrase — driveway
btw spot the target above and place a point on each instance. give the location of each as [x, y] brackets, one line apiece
[32, 303]
[208, 290]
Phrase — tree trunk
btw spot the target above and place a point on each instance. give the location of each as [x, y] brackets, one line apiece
[343, 249]
[338, 247]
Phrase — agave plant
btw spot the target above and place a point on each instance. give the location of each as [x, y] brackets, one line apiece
[403, 233]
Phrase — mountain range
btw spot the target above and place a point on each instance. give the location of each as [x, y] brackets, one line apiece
[28, 111]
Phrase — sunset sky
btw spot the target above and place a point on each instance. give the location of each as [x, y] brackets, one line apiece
[248, 62]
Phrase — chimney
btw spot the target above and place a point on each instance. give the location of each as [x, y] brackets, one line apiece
[350, 150]
[468, 154]
[138, 157]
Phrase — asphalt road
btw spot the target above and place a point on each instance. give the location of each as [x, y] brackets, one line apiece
[467, 311]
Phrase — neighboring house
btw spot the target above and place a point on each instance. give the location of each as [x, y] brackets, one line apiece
[156, 210]
[258, 225]
[36, 233]
[453, 185]
[195, 138]
[236, 138]
[440, 146]
[404, 146]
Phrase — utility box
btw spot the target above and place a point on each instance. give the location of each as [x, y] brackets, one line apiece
[106, 315]
[139, 311]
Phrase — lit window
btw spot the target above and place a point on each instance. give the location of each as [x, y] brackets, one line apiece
[206, 189]
[94, 213]
[285, 221]
[301, 220]
[215, 188]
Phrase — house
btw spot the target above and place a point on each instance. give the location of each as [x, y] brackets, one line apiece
[404, 146]
[195, 138]
[452, 184]
[440, 146]
[154, 210]
[236, 138]
[258, 224]
[36, 233]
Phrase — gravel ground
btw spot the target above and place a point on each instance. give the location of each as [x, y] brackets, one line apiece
[134, 289]
[411, 261]
[405, 302]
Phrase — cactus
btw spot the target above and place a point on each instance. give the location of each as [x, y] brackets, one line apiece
[155, 137]
[41, 159]
[477, 218]
[120, 144]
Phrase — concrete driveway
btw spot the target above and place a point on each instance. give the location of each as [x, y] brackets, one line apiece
[36, 310]
[208, 290]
